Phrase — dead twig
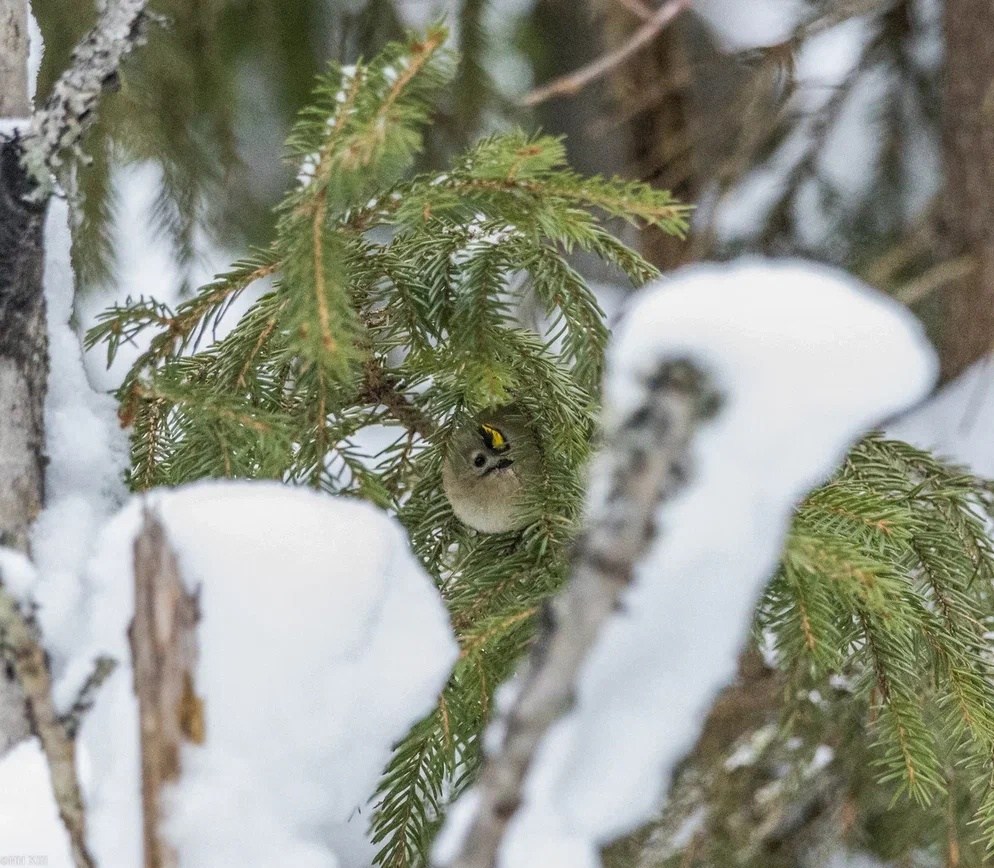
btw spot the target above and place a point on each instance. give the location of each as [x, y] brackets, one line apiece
[637, 8]
[21, 645]
[570, 84]
[164, 657]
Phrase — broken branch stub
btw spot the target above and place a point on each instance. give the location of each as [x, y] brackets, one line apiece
[164, 656]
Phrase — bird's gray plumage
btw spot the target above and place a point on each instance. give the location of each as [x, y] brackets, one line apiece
[485, 474]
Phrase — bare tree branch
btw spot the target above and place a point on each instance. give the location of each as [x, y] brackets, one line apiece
[576, 81]
[71, 108]
[25, 185]
[164, 655]
[637, 8]
[968, 143]
[22, 649]
[381, 388]
[23, 340]
[643, 464]
[102, 670]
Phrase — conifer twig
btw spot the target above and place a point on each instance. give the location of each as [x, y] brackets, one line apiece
[643, 464]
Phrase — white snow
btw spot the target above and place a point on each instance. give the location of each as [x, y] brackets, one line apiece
[17, 573]
[958, 421]
[756, 24]
[87, 454]
[36, 51]
[30, 827]
[86, 447]
[321, 641]
[807, 359]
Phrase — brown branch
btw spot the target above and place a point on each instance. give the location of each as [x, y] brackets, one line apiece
[637, 8]
[23, 651]
[643, 464]
[379, 387]
[164, 655]
[570, 84]
[103, 668]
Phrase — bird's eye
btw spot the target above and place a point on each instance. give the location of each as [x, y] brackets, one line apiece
[479, 460]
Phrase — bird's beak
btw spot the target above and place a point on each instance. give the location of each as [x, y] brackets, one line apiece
[503, 464]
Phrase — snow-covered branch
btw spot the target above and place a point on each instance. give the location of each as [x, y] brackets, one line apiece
[319, 641]
[164, 656]
[644, 463]
[804, 359]
[71, 108]
[22, 651]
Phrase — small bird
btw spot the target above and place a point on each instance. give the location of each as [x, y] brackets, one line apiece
[490, 464]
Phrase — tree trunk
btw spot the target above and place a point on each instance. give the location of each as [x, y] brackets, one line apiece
[968, 131]
[23, 339]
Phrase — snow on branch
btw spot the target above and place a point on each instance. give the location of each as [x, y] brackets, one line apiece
[26, 183]
[804, 359]
[22, 651]
[319, 641]
[644, 465]
[164, 655]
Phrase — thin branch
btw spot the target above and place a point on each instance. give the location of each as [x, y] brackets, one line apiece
[938, 276]
[71, 108]
[102, 670]
[637, 8]
[22, 649]
[643, 464]
[570, 84]
[380, 387]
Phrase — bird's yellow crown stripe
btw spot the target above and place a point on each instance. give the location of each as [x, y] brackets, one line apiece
[494, 438]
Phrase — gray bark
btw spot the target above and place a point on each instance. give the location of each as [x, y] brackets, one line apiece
[14, 98]
[23, 340]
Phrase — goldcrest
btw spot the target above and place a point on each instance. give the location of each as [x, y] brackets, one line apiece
[491, 464]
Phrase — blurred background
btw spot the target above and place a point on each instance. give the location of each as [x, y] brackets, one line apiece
[813, 127]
